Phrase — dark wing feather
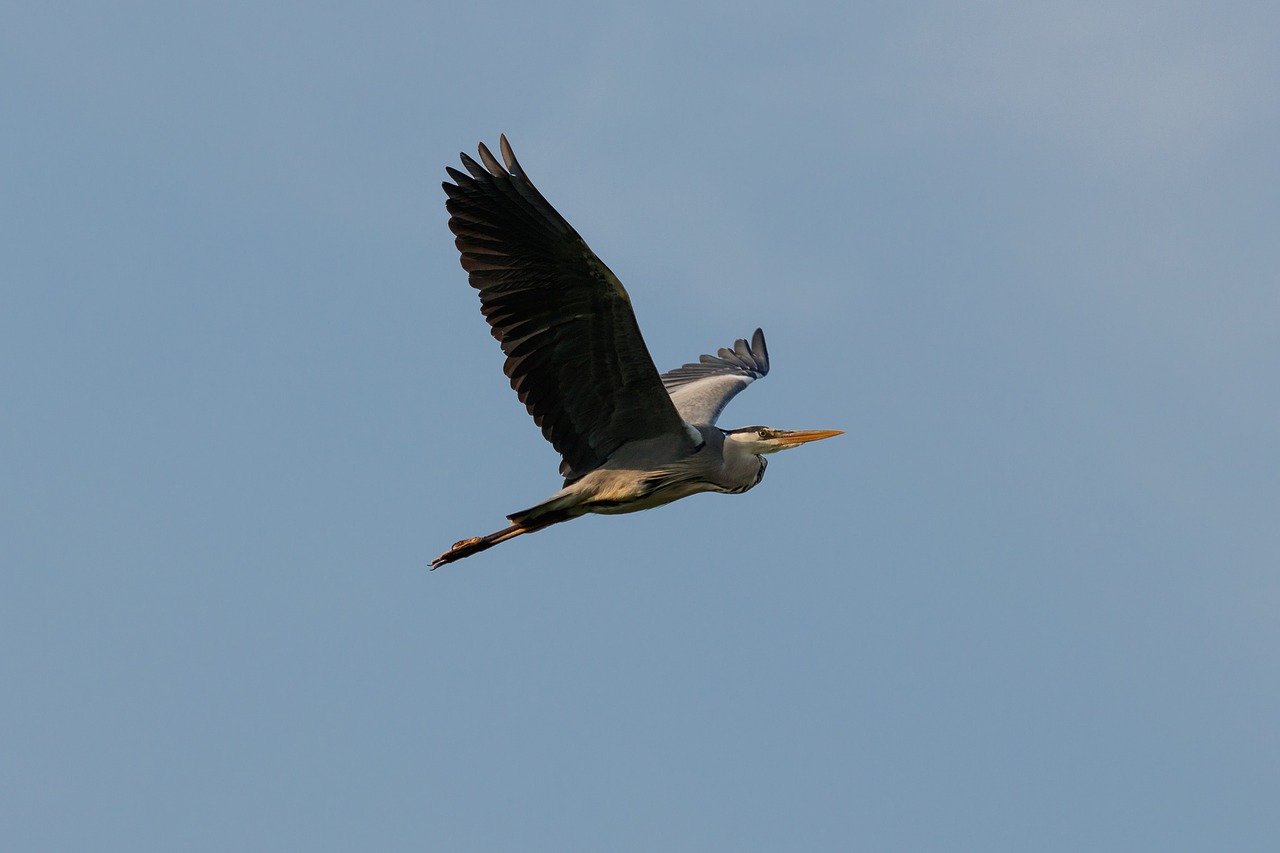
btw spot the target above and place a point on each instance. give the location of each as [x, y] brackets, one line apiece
[574, 352]
[701, 390]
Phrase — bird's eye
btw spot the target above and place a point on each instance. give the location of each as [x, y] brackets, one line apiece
[764, 433]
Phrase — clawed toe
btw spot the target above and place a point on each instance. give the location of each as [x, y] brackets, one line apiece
[476, 544]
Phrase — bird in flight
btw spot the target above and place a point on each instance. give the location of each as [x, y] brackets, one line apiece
[629, 437]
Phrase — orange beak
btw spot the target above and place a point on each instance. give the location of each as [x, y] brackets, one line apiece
[795, 438]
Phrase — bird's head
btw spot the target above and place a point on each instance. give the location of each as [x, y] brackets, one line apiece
[758, 440]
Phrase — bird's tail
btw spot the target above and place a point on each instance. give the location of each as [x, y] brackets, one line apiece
[520, 524]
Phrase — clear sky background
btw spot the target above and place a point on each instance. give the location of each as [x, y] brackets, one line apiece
[1025, 254]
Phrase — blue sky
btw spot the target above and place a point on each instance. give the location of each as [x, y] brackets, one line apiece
[1024, 254]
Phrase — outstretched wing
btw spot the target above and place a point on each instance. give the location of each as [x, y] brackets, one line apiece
[574, 352]
[701, 390]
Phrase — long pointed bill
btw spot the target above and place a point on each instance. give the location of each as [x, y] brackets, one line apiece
[795, 438]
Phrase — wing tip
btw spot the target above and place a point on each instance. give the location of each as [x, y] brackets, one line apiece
[760, 350]
[491, 163]
[508, 156]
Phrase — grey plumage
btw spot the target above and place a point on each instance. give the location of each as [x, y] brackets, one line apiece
[629, 438]
[701, 390]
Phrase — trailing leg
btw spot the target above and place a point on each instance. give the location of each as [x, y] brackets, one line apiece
[476, 544]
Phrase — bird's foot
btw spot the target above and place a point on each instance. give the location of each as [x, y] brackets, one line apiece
[452, 554]
[476, 544]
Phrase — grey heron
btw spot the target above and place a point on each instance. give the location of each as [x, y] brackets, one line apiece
[630, 439]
